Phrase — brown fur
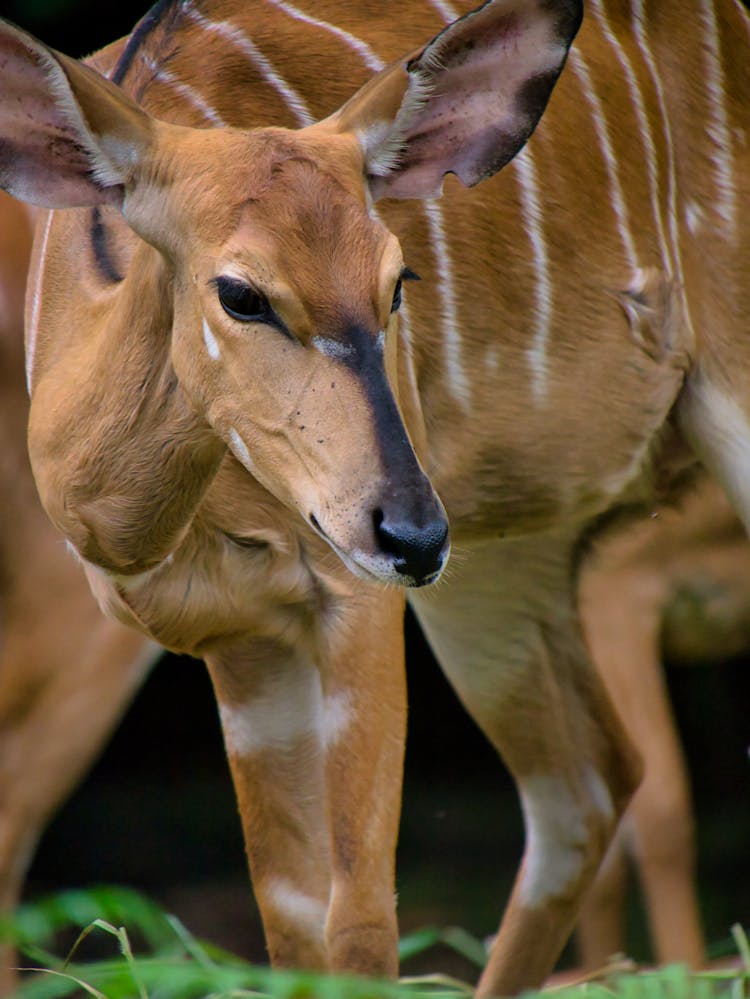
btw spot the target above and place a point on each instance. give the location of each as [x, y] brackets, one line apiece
[66, 673]
[132, 461]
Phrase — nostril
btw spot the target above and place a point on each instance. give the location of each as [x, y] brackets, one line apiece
[417, 551]
[377, 521]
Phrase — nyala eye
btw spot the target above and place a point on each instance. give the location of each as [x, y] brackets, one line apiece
[241, 301]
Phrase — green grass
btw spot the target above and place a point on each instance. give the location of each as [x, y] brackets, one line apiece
[156, 957]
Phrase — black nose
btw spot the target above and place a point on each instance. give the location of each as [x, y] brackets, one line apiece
[418, 551]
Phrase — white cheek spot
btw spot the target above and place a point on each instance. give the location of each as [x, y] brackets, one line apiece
[380, 342]
[240, 450]
[332, 348]
[557, 834]
[296, 907]
[211, 342]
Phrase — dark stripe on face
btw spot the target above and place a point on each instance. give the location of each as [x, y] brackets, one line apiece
[99, 244]
[366, 363]
[139, 35]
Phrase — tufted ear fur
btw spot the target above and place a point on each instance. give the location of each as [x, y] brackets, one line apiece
[68, 137]
[466, 103]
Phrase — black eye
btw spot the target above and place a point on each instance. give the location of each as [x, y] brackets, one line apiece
[241, 301]
[397, 297]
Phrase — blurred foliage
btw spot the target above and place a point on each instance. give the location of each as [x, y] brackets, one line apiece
[176, 965]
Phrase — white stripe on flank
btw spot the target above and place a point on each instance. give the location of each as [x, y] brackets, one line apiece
[617, 198]
[211, 343]
[445, 10]
[718, 127]
[639, 30]
[531, 211]
[452, 347]
[36, 303]
[644, 128]
[361, 48]
[190, 94]
[232, 34]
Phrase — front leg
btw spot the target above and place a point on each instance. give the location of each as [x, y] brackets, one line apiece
[315, 738]
[364, 649]
[505, 631]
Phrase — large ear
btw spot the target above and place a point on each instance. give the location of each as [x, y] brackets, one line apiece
[68, 137]
[465, 103]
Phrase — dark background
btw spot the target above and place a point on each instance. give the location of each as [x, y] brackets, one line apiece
[157, 812]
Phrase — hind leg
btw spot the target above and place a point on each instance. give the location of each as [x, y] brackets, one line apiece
[66, 675]
[622, 611]
[505, 631]
[65, 672]
[600, 932]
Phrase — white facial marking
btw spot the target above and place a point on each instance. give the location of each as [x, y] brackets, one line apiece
[556, 834]
[240, 450]
[211, 342]
[295, 906]
[332, 348]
